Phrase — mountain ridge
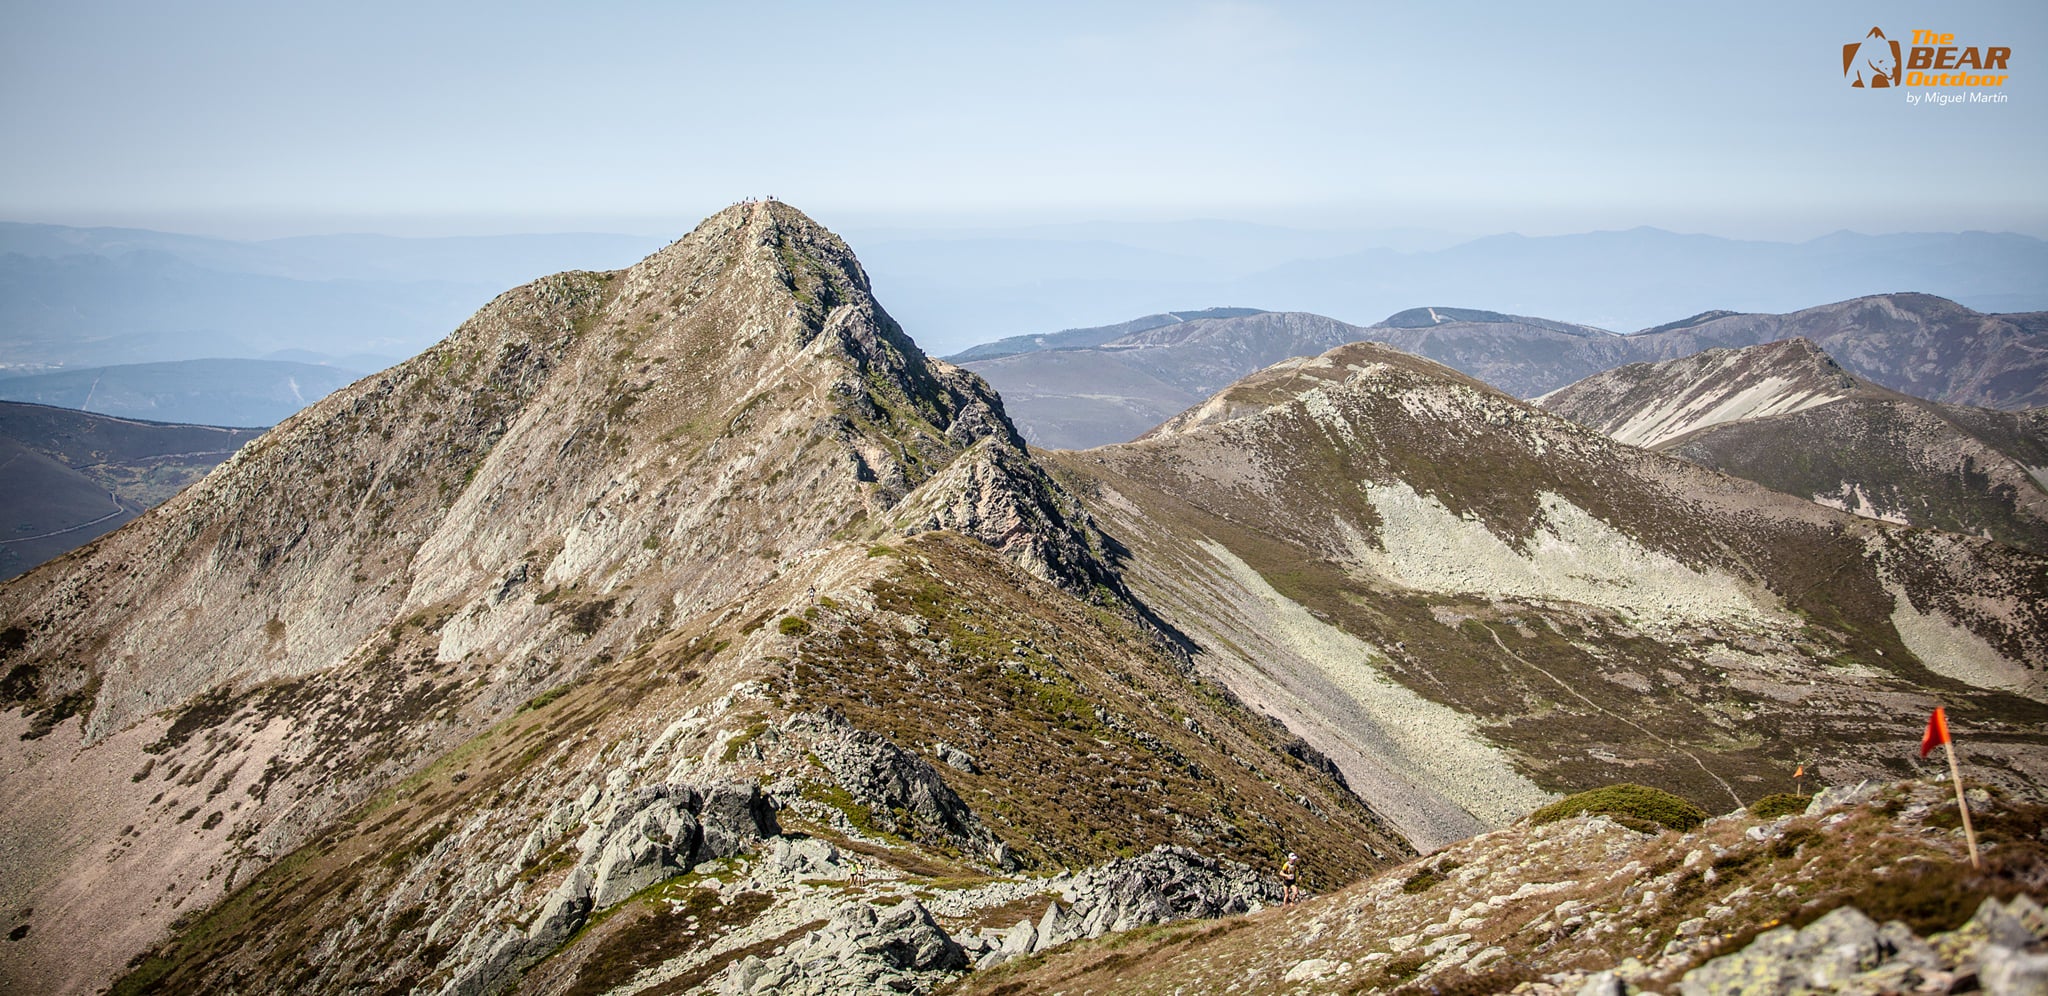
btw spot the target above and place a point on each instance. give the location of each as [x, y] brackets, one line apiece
[1091, 396]
[677, 544]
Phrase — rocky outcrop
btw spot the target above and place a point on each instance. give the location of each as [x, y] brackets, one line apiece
[995, 493]
[653, 835]
[899, 788]
[1161, 885]
[862, 950]
[2003, 949]
[1166, 883]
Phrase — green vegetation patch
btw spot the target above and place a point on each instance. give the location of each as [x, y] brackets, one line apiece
[1429, 876]
[1638, 807]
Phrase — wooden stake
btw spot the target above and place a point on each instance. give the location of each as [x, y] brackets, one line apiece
[1962, 804]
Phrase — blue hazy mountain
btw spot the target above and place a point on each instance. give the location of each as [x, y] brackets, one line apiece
[97, 296]
[234, 392]
[979, 291]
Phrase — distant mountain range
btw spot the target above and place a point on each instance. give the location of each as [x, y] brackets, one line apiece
[1083, 338]
[99, 296]
[961, 292]
[95, 296]
[68, 477]
[1785, 415]
[201, 392]
[1915, 343]
[1077, 396]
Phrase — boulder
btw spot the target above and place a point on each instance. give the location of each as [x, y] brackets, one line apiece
[651, 837]
[1166, 883]
[806, 857]
[1824, 955]
[2004, 971]
[734, 815]
[562, 911]
[1837, 796]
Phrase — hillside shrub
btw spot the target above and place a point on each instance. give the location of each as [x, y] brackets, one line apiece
[1778, 804]
[1638, 807]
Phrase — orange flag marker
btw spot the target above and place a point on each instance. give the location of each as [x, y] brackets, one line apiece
[1937, 733]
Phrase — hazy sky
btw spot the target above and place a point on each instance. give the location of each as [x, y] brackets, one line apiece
[424, 118]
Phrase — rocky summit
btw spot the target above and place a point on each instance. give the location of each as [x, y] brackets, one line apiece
[684, 628]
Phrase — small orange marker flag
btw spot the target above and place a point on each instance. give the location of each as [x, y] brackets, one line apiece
[1937, 733]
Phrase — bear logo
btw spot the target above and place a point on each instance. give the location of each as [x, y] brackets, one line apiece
[1873, 62]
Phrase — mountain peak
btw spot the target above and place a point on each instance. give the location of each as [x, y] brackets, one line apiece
[1648, 404]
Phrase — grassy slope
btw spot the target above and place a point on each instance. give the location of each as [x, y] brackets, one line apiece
[1281, 489]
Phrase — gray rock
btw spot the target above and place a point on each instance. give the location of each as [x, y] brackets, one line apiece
[806, 857]
[1837, 796]
[1907, 948]
[954, 757]
[860, 950]
[1839, 946]
[906, 937]
[885, 778]
[1053, 928]
[1824, 955]
[1996, 924]
[1604, 984]
[2030, 915]
[734, 816]
[562, 911]
[2004, 971]
[650, 838]
[1020, 939]
[1166, 883]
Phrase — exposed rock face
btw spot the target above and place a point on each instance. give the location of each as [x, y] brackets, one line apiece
[996, 494]
[1159, 886]
[1786, 416]
[590, 459]
[654, 834]
[1648, 404]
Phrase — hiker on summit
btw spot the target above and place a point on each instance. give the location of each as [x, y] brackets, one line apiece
[1290, 893]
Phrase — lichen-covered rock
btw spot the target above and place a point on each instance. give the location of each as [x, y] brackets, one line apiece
[1845, 951]
[861, 950]
[2004, 971]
